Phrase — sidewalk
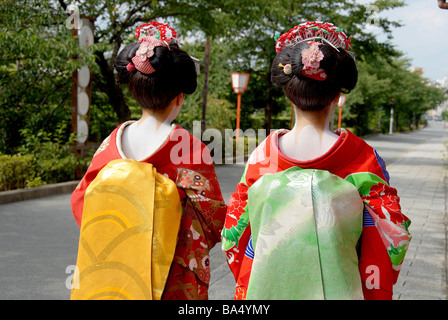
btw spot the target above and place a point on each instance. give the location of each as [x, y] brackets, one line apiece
[421, 179]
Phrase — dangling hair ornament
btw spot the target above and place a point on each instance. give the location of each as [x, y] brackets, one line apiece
[286, 69]
[151, 35]
[316, 34]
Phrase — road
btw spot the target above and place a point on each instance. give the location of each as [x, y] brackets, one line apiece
[39, 238]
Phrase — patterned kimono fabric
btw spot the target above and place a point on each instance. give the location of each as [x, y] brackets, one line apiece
[306, 228]
[128, 234]
[201, 213]
[315, 229]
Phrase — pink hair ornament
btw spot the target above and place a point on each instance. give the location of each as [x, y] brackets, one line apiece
[311, 59]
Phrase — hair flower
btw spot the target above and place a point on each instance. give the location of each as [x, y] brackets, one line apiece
[312, 56]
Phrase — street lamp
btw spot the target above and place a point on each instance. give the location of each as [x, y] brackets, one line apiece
[239, 85]
[391, 121]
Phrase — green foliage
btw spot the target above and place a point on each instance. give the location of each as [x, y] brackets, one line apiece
[55, 162]
[16, 171]
[43, 158]
[36, 66]
[386, 85]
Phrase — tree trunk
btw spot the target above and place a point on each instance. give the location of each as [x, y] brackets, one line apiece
[113, 90]
[268, 110]
[205, 89]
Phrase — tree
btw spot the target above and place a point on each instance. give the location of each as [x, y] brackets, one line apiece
[253, 47]
[118, 21]
[35, 69]
[215, 19]
[385, 84]
[37, 51]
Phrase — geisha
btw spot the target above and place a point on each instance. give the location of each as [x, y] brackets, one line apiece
[149, 219]
[314, 215]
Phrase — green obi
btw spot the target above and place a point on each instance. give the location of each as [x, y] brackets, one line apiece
[305, 227]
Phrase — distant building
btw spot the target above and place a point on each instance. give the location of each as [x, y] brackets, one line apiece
[443, 83]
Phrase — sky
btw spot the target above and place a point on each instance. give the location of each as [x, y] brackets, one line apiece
[423, 38]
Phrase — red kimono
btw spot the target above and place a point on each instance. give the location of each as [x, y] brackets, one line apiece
[202, 204]
[384, 238]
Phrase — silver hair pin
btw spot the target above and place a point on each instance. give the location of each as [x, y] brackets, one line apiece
[321, 38]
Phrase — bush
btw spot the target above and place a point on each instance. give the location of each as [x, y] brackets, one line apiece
[43, 158]
[55, 162]
[17, 171]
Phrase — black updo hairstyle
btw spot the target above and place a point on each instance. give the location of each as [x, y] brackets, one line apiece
[309, 94]
[175, 73]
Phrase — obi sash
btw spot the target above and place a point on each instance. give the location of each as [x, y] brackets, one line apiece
[305, 226]
[129, 229]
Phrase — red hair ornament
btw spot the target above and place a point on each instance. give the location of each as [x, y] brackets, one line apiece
[316, 34]
[151, 35]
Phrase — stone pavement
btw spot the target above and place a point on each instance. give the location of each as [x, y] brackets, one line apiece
[420, 177]
[419, 173]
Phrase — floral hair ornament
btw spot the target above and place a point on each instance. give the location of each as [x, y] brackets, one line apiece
[316, 34]
[311, 59]
[326, 33]
[151, 35]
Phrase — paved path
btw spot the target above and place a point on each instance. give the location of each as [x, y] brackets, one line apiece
[420, 177]
[39, 238]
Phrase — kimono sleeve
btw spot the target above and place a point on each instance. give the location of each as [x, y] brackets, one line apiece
[200, 184]
[77, 200]
[99, 160]
[385, 238]
[236, 236]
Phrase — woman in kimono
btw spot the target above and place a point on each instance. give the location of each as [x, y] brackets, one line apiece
[161, 172]
[314, 216]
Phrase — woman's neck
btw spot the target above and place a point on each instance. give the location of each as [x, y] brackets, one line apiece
[157, 118]
[318, 119]
[310, 137]
[145, 136]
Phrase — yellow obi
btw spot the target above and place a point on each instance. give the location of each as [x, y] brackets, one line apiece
[130, 222]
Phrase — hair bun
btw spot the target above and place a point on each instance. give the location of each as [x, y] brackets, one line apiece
[332, 70]
[338, 64]
[346, 71]
[175, 73]
[122, 62]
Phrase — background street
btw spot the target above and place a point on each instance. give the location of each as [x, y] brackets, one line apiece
[39, 237]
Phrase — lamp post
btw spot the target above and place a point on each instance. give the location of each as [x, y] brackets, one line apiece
[341, 103]
[391, 121]
[239, 85]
